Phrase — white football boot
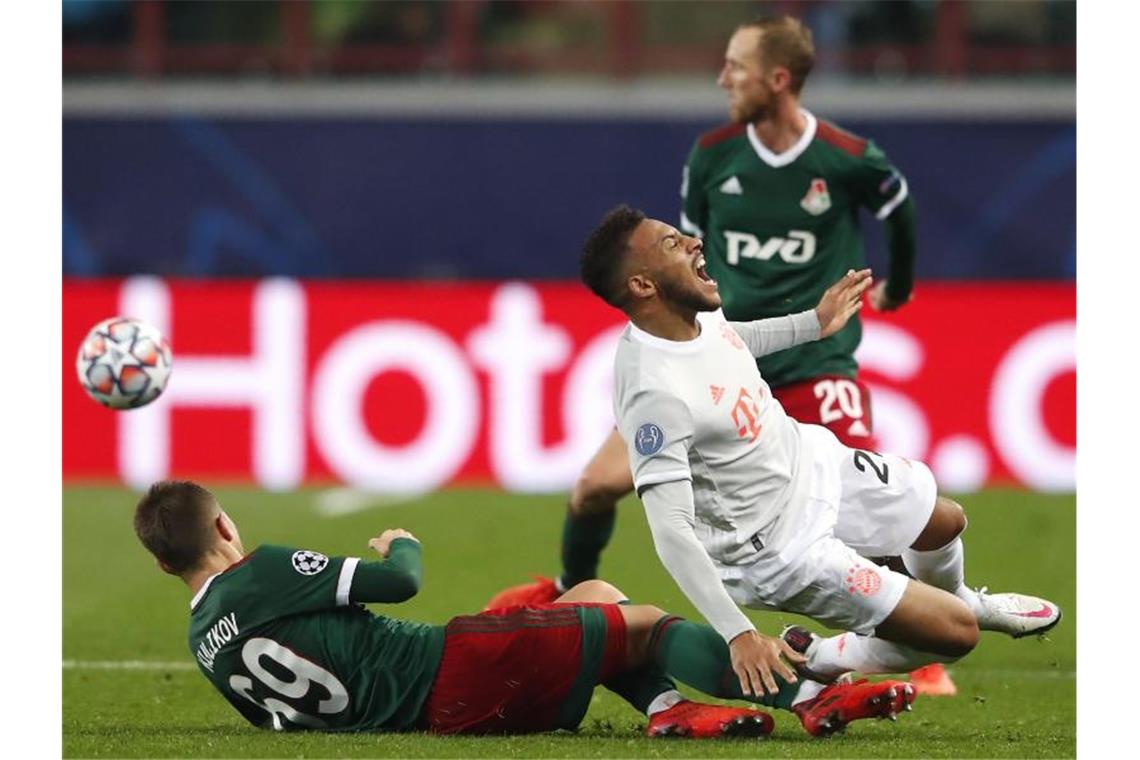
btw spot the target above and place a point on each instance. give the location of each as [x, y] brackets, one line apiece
[1015, 614]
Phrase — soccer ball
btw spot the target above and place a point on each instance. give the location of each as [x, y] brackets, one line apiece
[123, 363]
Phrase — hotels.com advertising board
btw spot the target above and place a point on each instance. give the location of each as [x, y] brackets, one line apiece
[405, 387]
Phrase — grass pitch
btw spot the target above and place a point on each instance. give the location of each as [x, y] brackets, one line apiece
[130, 688]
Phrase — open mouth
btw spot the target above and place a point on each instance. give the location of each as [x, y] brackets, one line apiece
[702, 273]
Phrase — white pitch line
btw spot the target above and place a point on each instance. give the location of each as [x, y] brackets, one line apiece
[336, 502]
[985, 675]
[128, 665]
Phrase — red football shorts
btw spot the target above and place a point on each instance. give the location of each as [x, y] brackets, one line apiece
[513, 670]
[840, 404]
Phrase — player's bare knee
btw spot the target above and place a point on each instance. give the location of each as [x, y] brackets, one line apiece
[953, 515]
[961, 633]
[593, 492]
[946, 523]
[963, 640]
[640, 621]
[596, 591]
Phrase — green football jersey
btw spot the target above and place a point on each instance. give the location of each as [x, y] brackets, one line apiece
[277, 635]
[779, 229]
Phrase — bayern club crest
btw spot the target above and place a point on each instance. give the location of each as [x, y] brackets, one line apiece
[817, 199]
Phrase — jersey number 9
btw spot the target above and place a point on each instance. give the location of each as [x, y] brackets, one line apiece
[304, 672]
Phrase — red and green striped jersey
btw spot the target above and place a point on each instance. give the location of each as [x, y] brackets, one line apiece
[779, 229]
[278, 636]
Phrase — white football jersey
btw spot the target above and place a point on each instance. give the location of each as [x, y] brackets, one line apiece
[699, 410]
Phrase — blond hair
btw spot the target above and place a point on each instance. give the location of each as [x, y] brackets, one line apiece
[785, 41]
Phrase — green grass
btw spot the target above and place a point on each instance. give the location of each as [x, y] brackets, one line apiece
[1016, 698]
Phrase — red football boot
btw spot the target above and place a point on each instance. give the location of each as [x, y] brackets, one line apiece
[933, 681]
[541, 591]
[694, 720]
[841, 703]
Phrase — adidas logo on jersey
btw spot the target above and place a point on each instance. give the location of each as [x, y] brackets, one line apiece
[717, 393]
[731, 186]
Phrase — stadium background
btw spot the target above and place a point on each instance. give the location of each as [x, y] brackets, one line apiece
[358, 224]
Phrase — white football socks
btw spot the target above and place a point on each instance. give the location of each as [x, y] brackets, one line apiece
[943, 568]
[664, 701]
[808, 690]
[831, 657]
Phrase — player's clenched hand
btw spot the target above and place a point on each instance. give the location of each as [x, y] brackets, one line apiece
[880, 301]
[756, 657]
[384, 541]
[841, 300]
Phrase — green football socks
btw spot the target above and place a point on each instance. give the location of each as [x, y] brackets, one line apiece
[640, 687]
[583, 539]
[697, 655]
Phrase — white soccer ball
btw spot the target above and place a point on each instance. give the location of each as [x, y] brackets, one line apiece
[123, 363]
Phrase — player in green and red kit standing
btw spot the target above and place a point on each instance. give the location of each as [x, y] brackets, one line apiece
[281, 633]
[775, 195]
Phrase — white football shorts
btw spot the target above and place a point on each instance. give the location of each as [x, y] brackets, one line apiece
[873, 505]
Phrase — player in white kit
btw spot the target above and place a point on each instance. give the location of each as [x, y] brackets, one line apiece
[749, 507]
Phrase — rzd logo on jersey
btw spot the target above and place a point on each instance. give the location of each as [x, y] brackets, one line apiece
[797, 248]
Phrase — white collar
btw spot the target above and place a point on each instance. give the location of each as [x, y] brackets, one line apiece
[202, 591]
[776, 160]
[673, 346]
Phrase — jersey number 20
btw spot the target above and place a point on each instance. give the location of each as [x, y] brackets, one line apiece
[838, 399]
[304, 674]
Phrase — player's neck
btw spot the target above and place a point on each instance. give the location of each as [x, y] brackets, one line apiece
[782, 127]
[669, 324]
[217, 561]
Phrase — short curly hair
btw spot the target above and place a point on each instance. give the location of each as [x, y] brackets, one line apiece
[604, 252]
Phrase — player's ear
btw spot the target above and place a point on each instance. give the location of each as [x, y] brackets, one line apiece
[641, 285]
[780, 79]
[224, 527]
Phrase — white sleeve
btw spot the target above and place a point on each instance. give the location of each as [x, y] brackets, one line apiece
[669, 507]
[658, 431]
[767, 336]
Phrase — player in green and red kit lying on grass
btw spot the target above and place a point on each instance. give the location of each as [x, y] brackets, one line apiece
[281, 633]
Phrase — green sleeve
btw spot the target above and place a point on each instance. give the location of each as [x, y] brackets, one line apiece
[882, 188]
[877, 184]
[901, 250]
[288, 581]
[694, 205]
[394, 579]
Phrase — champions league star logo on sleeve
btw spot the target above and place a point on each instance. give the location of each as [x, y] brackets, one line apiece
[309, 563]
[648, 439]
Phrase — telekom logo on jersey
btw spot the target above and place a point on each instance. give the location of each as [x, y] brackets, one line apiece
[295, 398]
[746, 416]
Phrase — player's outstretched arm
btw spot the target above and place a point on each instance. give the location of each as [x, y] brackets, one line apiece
[841, 300]
[382, 544]
[397, 577]
[756, 658]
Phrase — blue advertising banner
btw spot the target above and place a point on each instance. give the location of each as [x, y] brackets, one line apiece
[496, 199]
